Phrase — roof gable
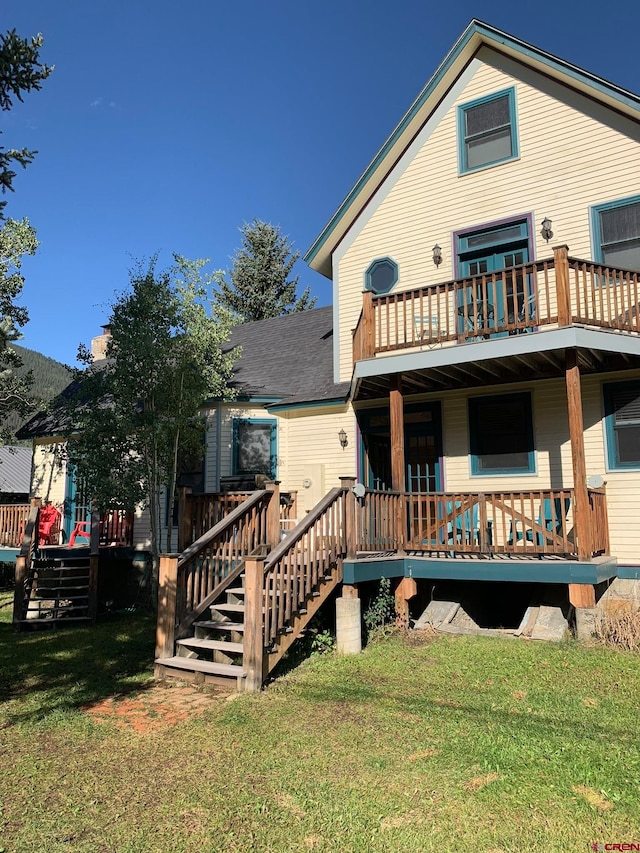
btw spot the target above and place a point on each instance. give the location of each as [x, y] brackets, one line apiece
[477, 35]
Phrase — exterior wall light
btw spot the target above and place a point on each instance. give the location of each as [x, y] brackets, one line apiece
[343, 438]
[546, 231]
[437, 255]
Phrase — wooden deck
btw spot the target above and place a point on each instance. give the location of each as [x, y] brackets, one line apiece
[553, 292]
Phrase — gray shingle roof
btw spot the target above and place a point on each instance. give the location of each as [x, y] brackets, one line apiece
[289, 358]
[15, 469]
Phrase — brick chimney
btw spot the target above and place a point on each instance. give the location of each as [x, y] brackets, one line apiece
[99, 343]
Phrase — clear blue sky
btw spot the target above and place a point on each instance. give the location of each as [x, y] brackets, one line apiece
[166, 125]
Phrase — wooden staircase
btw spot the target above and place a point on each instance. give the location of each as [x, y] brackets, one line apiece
[56, 591]
[235, 601]
[54, 586]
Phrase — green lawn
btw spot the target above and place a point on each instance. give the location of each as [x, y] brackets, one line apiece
[442, 744]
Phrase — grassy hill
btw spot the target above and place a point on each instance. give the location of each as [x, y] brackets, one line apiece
[50, 377]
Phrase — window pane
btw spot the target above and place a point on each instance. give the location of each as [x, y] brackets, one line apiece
[625, 256]
[620, 223]
[500, 235]
[488, 116]
[382, 277]
[628, 445]
[490, 148]
[254, 448]
[626, 403]
[501, 437]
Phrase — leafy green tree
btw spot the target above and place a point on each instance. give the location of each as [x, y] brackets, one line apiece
[137, 411]
[260, 285]
[20, 71]
[16, 240]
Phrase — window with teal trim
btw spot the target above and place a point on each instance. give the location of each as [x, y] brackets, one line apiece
[381, 275]
[501, 434]
[254, 446]
[622, 423]
[487, 131]
[616, 233]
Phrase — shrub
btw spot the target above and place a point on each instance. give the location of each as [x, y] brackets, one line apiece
[620, 628]
[381, 611]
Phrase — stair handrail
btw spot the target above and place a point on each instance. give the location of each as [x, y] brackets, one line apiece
[241, 533]
[281, 605]
[24, 560]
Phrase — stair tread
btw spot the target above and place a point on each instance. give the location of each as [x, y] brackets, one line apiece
[222, 625]
[197, 665]
[219, 645]
[231, 608]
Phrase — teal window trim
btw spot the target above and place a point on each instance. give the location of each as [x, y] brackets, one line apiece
[368, 281]
[273, 449]
[473, 406]
[596, 229]
[463, 167]
[609, 390]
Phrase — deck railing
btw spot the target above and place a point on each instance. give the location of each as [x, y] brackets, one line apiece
[13, 519]
[198, 513]
[23, 581]
[554, 291]
[483, 523]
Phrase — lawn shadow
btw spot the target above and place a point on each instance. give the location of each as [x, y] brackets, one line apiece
[43, 671]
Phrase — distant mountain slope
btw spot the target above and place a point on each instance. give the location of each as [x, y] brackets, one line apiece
[49, 375]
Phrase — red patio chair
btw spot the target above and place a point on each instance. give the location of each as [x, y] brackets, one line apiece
[82, 528]
[49, 525]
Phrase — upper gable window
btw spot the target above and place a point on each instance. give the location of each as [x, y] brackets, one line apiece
[381, 275]
[616, 230]
[487, 131]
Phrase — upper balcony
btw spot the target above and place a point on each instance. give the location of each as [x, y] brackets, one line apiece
[541, 296]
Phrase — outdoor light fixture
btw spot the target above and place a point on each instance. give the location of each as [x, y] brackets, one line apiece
[546, 231]
[437, 255]
[343, 438]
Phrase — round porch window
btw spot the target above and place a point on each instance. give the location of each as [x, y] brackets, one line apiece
[381, 275]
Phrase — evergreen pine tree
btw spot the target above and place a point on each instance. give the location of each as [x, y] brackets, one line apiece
[260, 285]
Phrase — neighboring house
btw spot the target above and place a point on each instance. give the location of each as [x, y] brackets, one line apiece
[479, 368]
[283, 423]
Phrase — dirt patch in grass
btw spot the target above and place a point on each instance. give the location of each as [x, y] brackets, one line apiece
[594, 798]
[481, 781]
[156, 708]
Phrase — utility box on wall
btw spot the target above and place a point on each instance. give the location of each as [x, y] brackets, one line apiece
[312, 487]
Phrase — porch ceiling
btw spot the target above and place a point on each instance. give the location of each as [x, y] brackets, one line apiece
[518, 358]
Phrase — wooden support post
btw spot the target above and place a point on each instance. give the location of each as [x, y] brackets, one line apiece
[273, 514]
[185, 521]
[398, 482]
[253, 657]
[405, 591]
[349, 590]
[94, 563]
[582, 595]
[563, 292]
[19, 589]
[368, 326]
[581, 513]
[167, 597]
[350, 518]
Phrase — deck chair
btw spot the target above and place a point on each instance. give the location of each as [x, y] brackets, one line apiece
[551, 516]
[49, 525]
[467, 525]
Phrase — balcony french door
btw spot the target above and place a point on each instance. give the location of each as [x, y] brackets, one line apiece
[501, 301]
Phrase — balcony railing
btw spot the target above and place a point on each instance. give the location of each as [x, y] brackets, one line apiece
[556, 291]
[539, 522]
